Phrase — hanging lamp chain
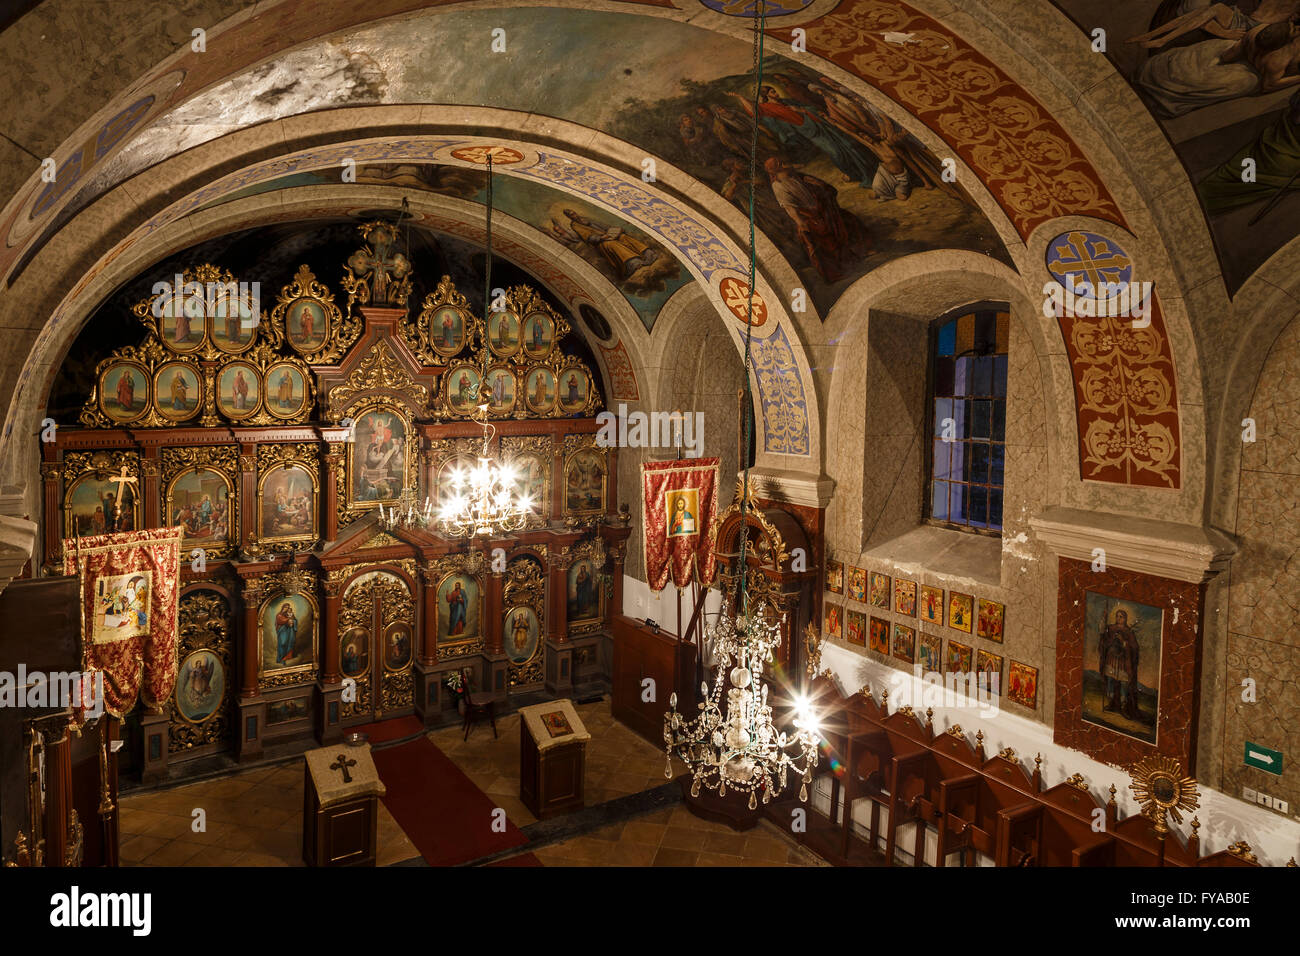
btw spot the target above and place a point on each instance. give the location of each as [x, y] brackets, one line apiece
[760, 24]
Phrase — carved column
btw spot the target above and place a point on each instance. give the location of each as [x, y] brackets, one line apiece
[331, 672]
[252, 709]
[248, 497]
[557, 483]
[58, 788]
[611, 486]
[52, 485]
[493, 608]
[335, 465]
[428, 650]
[329, 687]
[428, 691]
[249, 651]
[151, 474]
[557, 593]
[616, 545]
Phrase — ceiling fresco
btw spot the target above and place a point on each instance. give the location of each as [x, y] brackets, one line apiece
[1221, 79]
[840, 188]
[637, 264]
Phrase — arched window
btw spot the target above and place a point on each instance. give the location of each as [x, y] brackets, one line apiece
[968, 421]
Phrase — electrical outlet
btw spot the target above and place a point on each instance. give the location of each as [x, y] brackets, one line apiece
[1248, 794]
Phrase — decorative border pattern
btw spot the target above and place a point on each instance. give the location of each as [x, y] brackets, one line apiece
[1028, 161]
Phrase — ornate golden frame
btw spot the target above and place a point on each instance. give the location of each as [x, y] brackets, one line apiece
[422, 335]
[280, 589]
[410, 448]
[341, 332]
[485, 389]
[146, 403]
[222, 460]
[523, 340]
[273, 458]
[207, 348]
[450, 569]
[460, 368]
[158, 402]
[500, 316]
[206, 623]
[252, 413]
[574, 446]
[547, 410]
[525, 587]
[100, 466]
[309, 390]
[516, 448]
[593, 550]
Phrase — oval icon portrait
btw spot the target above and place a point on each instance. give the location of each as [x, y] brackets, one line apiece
[239, 390]
[539, 335]
[464, 390]
[503, 333]
[286, 390]
[123, 392]
[177, 392]
[522, 632]
[500, 391]
[307, 325]
[574, 389]
[539, 393]
[200, 685]
[447, 331]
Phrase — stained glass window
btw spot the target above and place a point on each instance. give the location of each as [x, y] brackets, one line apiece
[968, 421]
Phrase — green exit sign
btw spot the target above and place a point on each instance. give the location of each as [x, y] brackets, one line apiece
[1262, 758]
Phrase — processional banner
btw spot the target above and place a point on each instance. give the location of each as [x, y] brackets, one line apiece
[130, 595]
[679, 511]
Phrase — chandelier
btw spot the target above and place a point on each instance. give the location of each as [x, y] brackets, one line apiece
[406, 512]
[485, 499]
[738, 747]
[735, 744]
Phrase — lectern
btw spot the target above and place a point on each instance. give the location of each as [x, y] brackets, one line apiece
[340, 813]
[552, 759]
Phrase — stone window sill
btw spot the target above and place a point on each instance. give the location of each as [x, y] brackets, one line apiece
[943, 551]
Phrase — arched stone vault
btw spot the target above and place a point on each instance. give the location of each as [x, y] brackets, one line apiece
[1115, 136]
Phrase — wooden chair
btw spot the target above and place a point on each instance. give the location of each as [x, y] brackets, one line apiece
[474, 712]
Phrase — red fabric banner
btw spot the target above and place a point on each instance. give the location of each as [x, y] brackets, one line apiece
[130, 596]
[679, 511]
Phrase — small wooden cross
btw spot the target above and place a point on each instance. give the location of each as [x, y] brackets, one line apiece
[122, 481]
[342, 763]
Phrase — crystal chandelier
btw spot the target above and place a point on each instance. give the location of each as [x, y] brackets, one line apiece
[735, 745]
[485, 499]
[406, 512]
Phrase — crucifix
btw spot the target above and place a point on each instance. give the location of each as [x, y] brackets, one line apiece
[122, 481]
[342, 763]
[380, 267]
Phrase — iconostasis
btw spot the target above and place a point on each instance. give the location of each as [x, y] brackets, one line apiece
[277, 438]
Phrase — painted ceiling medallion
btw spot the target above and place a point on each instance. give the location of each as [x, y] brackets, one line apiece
[501, 155]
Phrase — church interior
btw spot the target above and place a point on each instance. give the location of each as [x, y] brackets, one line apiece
[650, 433]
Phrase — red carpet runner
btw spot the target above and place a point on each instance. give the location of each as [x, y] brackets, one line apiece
[447, 818]
[395, 729]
